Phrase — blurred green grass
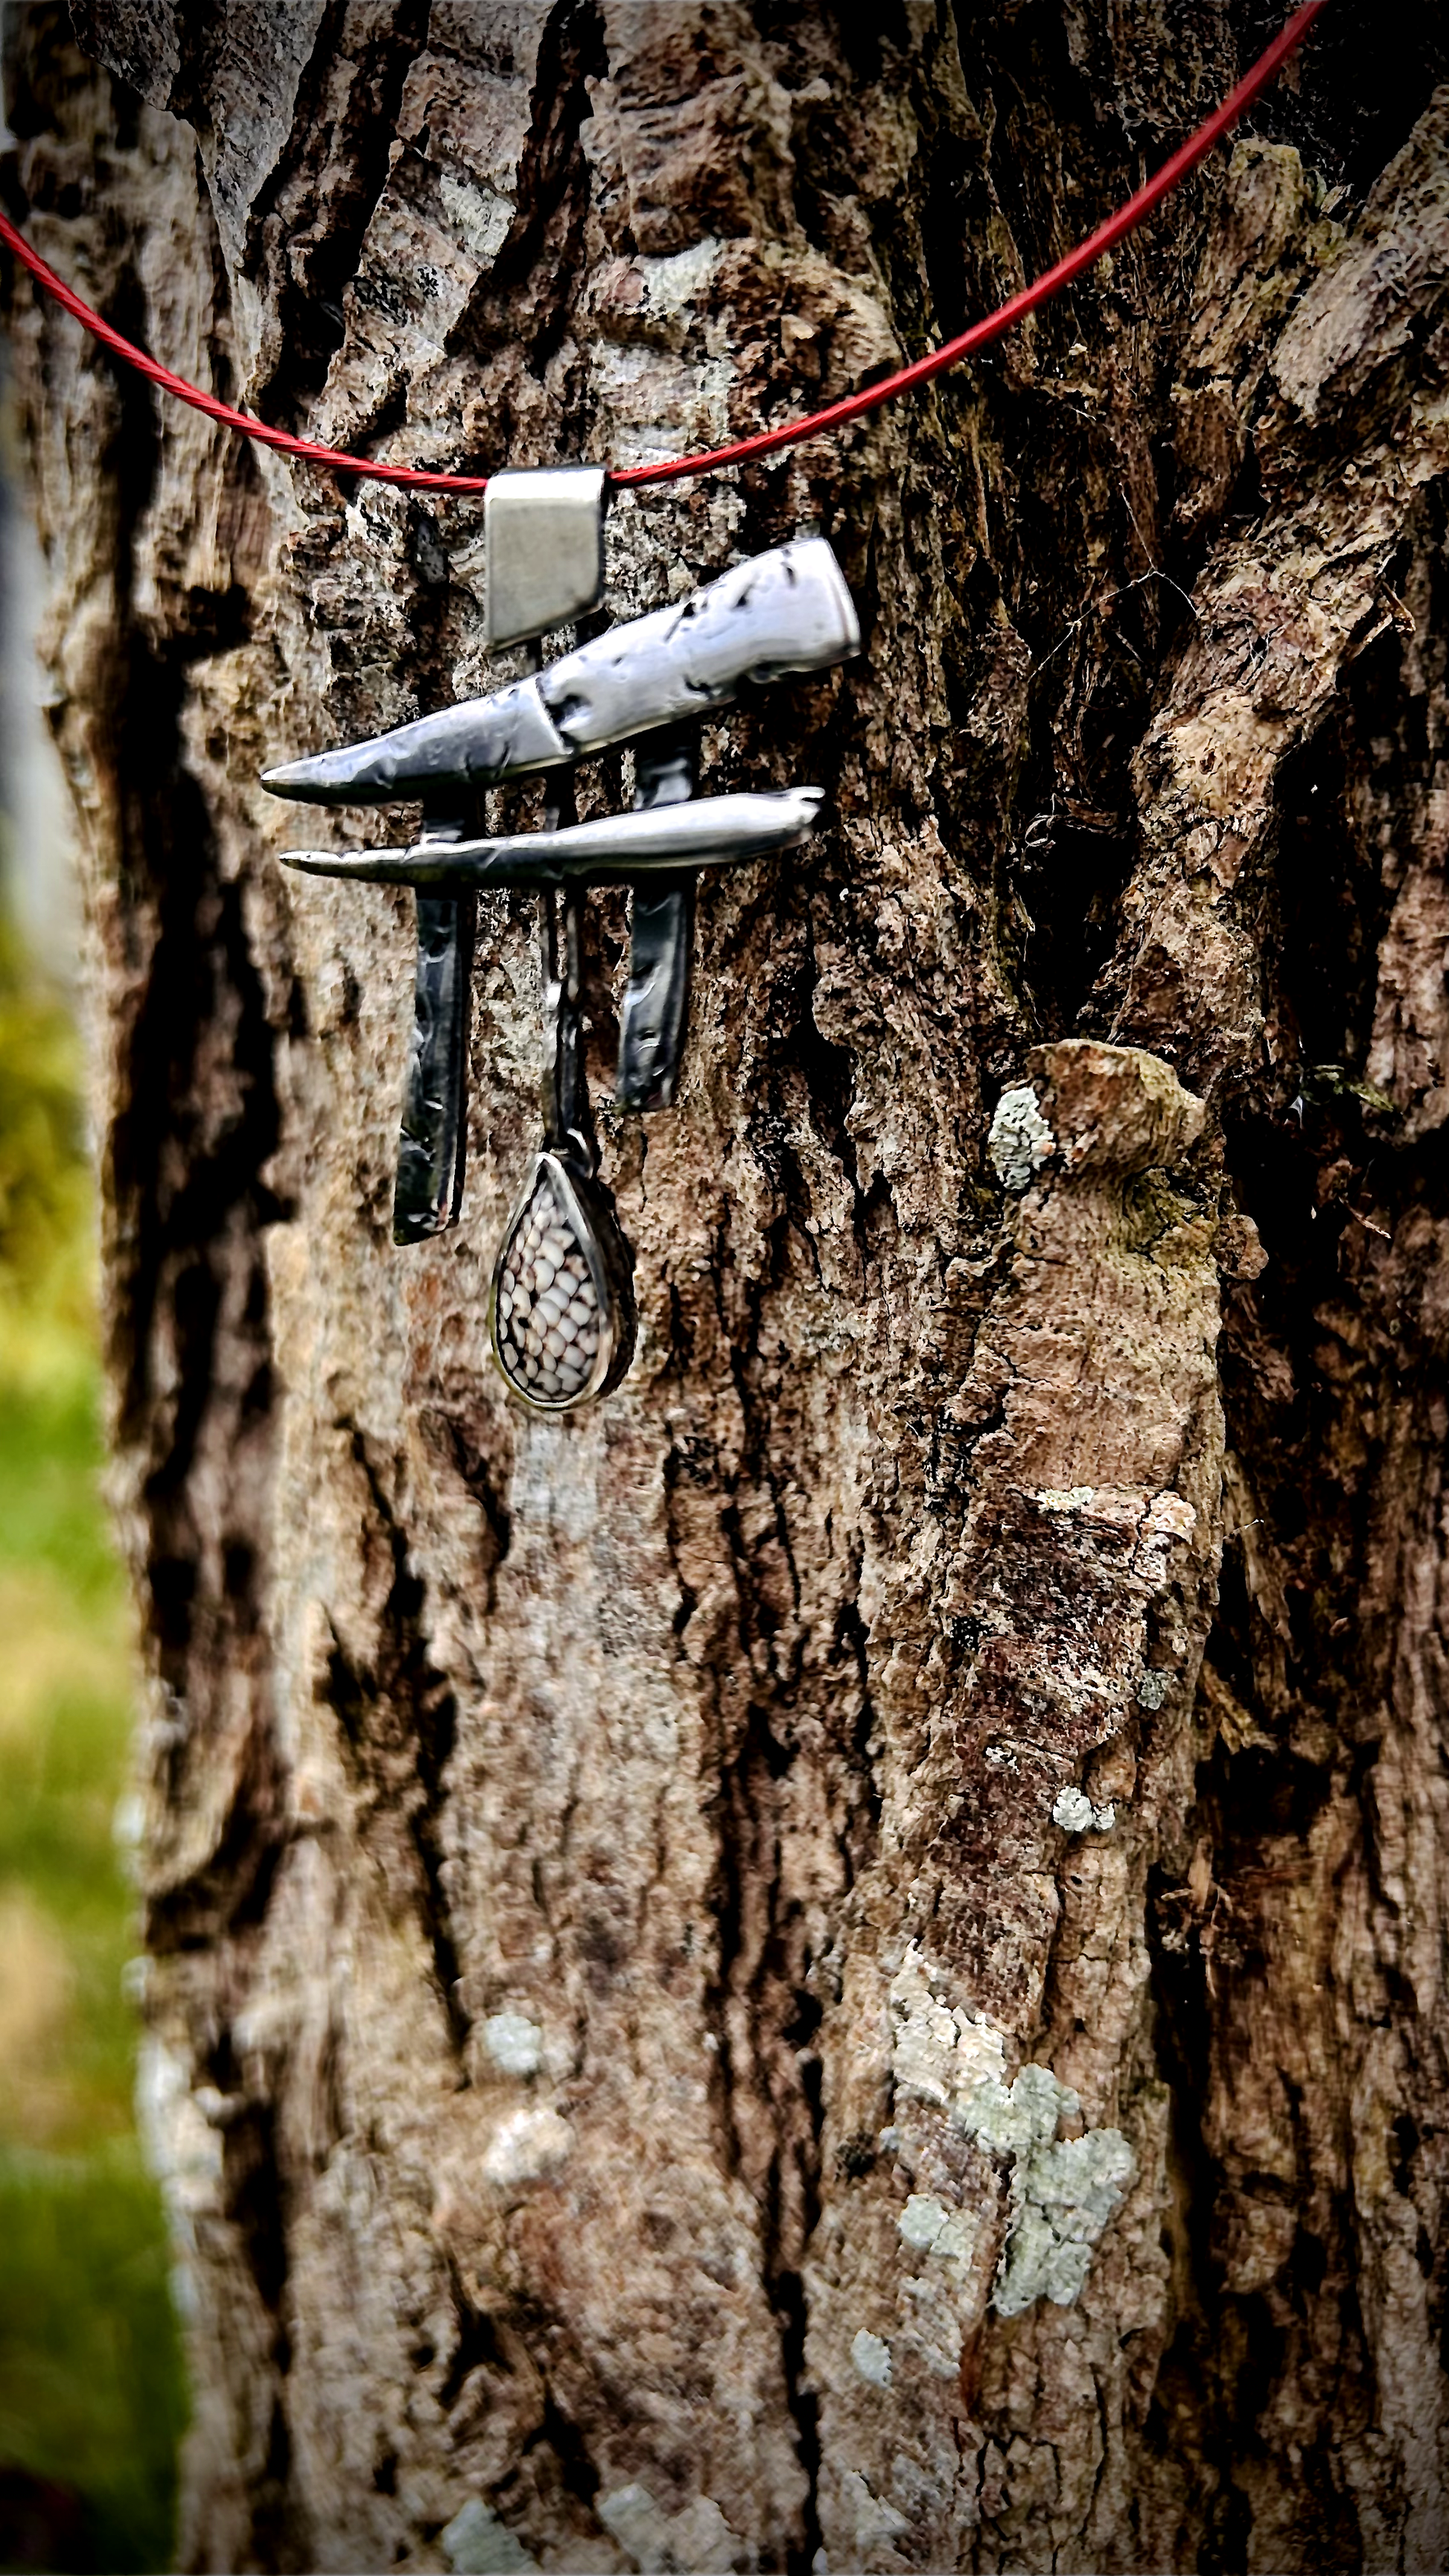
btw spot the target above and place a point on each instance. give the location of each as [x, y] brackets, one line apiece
[92, 2401]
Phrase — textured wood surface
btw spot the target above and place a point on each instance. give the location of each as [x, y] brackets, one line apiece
[840, 1964]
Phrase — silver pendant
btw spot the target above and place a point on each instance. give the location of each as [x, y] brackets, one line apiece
[561, 1301]
[561, 1312]
[560, 1309]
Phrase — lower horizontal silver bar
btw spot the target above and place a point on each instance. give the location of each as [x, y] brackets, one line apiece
[708, 831]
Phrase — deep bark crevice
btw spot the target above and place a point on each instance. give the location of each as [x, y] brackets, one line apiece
[525, 295]
[403, 1707]
[318, 246]
[775, 2078]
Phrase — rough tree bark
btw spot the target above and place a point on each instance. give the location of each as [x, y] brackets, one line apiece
[843, 1963]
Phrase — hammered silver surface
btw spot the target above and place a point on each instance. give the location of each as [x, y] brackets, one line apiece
[709, 831]
[785, 611]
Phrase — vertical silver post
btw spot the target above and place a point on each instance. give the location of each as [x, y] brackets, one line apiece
[433, 1138]
[655, 1015]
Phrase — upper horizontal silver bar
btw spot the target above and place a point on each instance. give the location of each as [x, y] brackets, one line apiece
[785, 611]
[708, 831]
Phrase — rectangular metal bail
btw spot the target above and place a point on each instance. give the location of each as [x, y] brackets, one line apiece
[543, 549]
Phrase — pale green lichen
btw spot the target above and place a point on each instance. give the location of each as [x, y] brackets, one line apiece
[697, 2539]
[930, 2228]
[1075, 1813]
[939, 2052]
[877, 2523]
[526, 2146]
[1020, 1140]
[476, 2543]
[921, 2221]
[948, 2237]
[1072, 1811]
[1062, 2194]
[1010, 2122]
[514, 2043]
[932, 2333]
[1063, 2191]
[872, 2358]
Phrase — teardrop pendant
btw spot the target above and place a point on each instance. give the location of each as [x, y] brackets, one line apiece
[560, 1310]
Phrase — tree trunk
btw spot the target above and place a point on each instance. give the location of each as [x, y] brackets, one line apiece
[839, 1963]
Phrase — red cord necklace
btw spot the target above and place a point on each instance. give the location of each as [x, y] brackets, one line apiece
[764, 442]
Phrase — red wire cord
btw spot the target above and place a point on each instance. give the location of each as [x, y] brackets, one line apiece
[766, 441]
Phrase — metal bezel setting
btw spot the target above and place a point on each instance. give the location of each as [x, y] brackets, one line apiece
[592, 1226]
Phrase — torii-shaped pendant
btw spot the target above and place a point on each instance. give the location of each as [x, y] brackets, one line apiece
[561, 1308]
